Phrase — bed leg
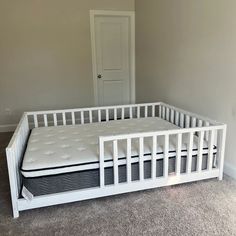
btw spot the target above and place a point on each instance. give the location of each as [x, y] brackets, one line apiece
[15, 213]
[222, 152]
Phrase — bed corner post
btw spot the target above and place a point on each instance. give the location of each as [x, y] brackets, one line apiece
[222, 151]
[13, 181]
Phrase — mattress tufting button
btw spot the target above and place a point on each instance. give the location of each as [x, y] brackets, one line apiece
[65, 146]
[33, 149]
[63, 138]
[49, 143]
[65, 156]
[34, 140]
[49, 153]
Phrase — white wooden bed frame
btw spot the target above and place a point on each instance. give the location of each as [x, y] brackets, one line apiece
[212, 131]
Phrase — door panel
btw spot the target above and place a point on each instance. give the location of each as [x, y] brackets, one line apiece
[112, 46]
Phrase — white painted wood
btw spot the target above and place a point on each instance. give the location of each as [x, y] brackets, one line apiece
[90, 117]
[115, 61]
[222, 151]
[82, 117]
[177, 118]
[163, 112]
[178, 154]
[182, 120]
[35, 121]
[64, 118]
[128, 159]
[141, 167]
[73, 118]
[153, 110]
[115, 159]
[16, 146]
[99, 115]
[187, 121]
[91, 193]
[45, 120]
[172, 116]
[190, 151]
[200, 149]
[154, 156]
[167, 114]
[101, 162]
[211, 149]
[55, 119]
[166, 156]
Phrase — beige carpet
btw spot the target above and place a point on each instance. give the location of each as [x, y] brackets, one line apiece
[201, 208]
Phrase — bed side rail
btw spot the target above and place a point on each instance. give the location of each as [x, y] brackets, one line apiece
[91, 115]
[216, 167]
[182, 118]
[14, 152]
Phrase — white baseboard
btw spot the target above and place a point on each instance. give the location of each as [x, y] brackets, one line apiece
[230, 170]
[7, 128]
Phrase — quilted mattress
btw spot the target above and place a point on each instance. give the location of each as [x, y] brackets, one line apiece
[71, 148]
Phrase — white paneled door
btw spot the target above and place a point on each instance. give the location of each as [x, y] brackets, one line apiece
[113, 57]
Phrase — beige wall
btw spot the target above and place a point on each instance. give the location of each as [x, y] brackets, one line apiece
[45, 54]
[186, 55]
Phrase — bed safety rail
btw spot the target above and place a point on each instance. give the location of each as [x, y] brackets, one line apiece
[189, 124]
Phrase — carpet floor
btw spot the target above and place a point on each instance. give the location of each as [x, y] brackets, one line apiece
[200, 208]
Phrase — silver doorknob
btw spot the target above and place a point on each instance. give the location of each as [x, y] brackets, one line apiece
[99, 76]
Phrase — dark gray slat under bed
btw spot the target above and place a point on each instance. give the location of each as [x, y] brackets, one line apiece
[90, 178]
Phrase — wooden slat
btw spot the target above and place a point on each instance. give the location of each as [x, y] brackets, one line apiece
[107, 115]
[128, 160]
[160, 111]
[211, 149]
[181, 120]
[141, 168]
[45, 119]
[187, 122]
[138, 111]
[55, 119]
[115, 114]
[153, 110]
[73, 118]
[99, 116]
[90, 116]
[200, 150]
[82, 117]
[64, 118]
[207, 132]
[154, 156]
[130, 112]
[193, 122]
[122, 113]
[166, 156]
[177, 118]
[115, 161]
[36, 121]
[163, 112]
[190, 151]
[199, 123]
[145, 111]
[167, 114]
[101, 163]
[178, 154]
[172, 116]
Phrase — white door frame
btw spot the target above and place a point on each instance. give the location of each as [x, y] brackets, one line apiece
[131, 15]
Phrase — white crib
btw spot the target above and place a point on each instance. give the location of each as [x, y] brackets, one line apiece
[192, 124]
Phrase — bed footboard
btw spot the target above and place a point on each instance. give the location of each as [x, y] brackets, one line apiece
[14, 152]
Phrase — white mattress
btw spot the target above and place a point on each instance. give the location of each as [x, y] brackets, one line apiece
[63, 149]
